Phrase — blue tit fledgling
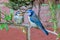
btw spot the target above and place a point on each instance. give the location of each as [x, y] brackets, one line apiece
[34, 20]
[18, 17]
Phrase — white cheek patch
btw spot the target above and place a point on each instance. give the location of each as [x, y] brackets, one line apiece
[29, 14]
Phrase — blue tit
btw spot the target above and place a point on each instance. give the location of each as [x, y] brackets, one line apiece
[35, 21]
[18, 17]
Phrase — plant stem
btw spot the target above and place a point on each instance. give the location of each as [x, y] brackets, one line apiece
[29, 33]
[55, 26]
[39, 11]
[0, 16]
[53, 13]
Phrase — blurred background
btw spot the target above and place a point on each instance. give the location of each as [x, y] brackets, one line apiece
[44, 15]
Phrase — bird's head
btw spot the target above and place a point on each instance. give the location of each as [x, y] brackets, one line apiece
[18, 13]
[30, 12]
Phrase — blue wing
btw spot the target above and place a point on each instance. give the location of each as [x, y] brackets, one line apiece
[36, 20]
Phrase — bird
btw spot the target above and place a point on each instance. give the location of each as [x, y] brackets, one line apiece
[35, 21]
[18, 18]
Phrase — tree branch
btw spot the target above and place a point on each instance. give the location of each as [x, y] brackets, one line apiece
[53, 32]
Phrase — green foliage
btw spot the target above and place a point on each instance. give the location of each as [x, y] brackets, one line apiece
[58, 35]
[53, 8]
[7, 17]
[6, 27]
[58, 6]
[2, 26]
[12, 5]
[11, 13]
[44, 4]
[53, 20]
[15, 4]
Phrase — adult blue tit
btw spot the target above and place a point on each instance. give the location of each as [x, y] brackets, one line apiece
[34, 20]
[18, 18]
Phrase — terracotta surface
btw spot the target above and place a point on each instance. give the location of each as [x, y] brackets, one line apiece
[17, 34]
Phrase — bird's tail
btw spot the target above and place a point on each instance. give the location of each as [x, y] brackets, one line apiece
[45, 31]
[42, 28]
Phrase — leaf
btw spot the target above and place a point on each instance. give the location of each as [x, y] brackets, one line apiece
[1, 27]
[58, 6]
[15, 4]
[44, 4]
[6, 27]
[51, 20]
[58, 35]
[55, 26]
[11, 11]
[10, 16]
[7, 17]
